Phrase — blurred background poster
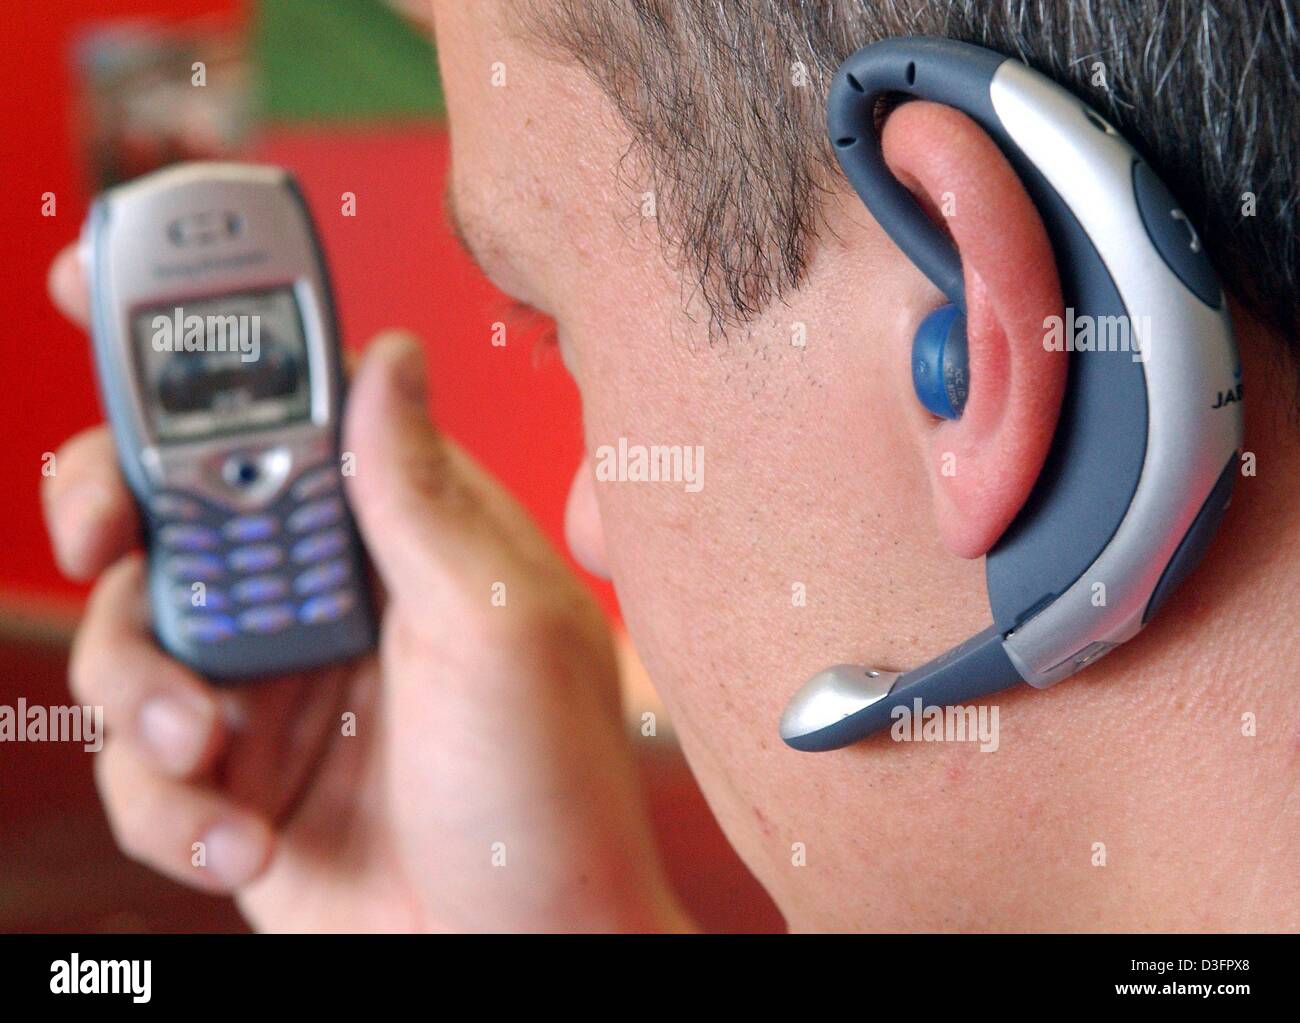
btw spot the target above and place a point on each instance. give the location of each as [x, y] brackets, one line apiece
[344, 93]
[143, 98]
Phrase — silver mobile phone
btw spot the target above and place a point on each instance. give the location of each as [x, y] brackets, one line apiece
[218, 364]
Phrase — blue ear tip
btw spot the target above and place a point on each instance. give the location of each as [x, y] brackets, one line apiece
[939, 362]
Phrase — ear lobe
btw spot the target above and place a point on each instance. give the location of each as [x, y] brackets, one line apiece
[983, 466]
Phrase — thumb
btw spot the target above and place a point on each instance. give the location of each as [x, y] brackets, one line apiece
[419, 511]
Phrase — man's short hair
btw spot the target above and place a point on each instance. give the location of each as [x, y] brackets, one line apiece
[725, 101]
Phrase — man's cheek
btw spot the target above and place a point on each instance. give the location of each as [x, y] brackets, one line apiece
[583, 530]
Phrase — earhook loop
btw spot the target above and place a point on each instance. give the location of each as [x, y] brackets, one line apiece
[934, 69]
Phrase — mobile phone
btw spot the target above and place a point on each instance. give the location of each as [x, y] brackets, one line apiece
[217, 355]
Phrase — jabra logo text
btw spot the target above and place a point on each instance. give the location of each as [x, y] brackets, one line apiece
[1227, 397]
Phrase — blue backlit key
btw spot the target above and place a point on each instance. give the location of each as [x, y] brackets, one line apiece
[322, 577]
[260, 588]
[316, 483]
[265, 620]
[316, 515]
[251, 528]
[207, 628]
[328, 607]
[258, 558]
[194, 567]
[319, 546]
[182, 537]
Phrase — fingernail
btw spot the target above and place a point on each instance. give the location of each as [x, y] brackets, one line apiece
[175, 731]
[235, 851]
[77, 515]
[408, 368]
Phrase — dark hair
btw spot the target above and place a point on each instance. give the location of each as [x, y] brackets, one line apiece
[736, 148]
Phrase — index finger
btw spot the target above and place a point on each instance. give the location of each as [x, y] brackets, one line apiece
[68, 287]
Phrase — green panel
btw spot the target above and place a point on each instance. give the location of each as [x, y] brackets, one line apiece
[343, 60]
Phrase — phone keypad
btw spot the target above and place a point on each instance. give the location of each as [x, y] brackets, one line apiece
[316, 515]
[178, 536]
[208, 628]
[319, 546]
[251, 528]
[328, 607]
[259, 589]
[259, 558]
[195, 568]
[286, 567]
[321, 578]
[268, 619]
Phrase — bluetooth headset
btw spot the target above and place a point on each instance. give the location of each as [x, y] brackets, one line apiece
[1142, 464]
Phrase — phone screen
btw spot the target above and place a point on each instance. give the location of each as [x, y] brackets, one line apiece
[214, 366]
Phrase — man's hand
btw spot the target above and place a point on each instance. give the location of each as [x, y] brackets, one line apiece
[488, 785]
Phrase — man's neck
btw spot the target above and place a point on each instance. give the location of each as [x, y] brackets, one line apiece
[1207, 703]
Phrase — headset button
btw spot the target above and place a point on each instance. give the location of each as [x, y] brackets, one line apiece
[1173, 236]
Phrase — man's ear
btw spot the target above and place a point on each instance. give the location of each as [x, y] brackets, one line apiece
[983, 466]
